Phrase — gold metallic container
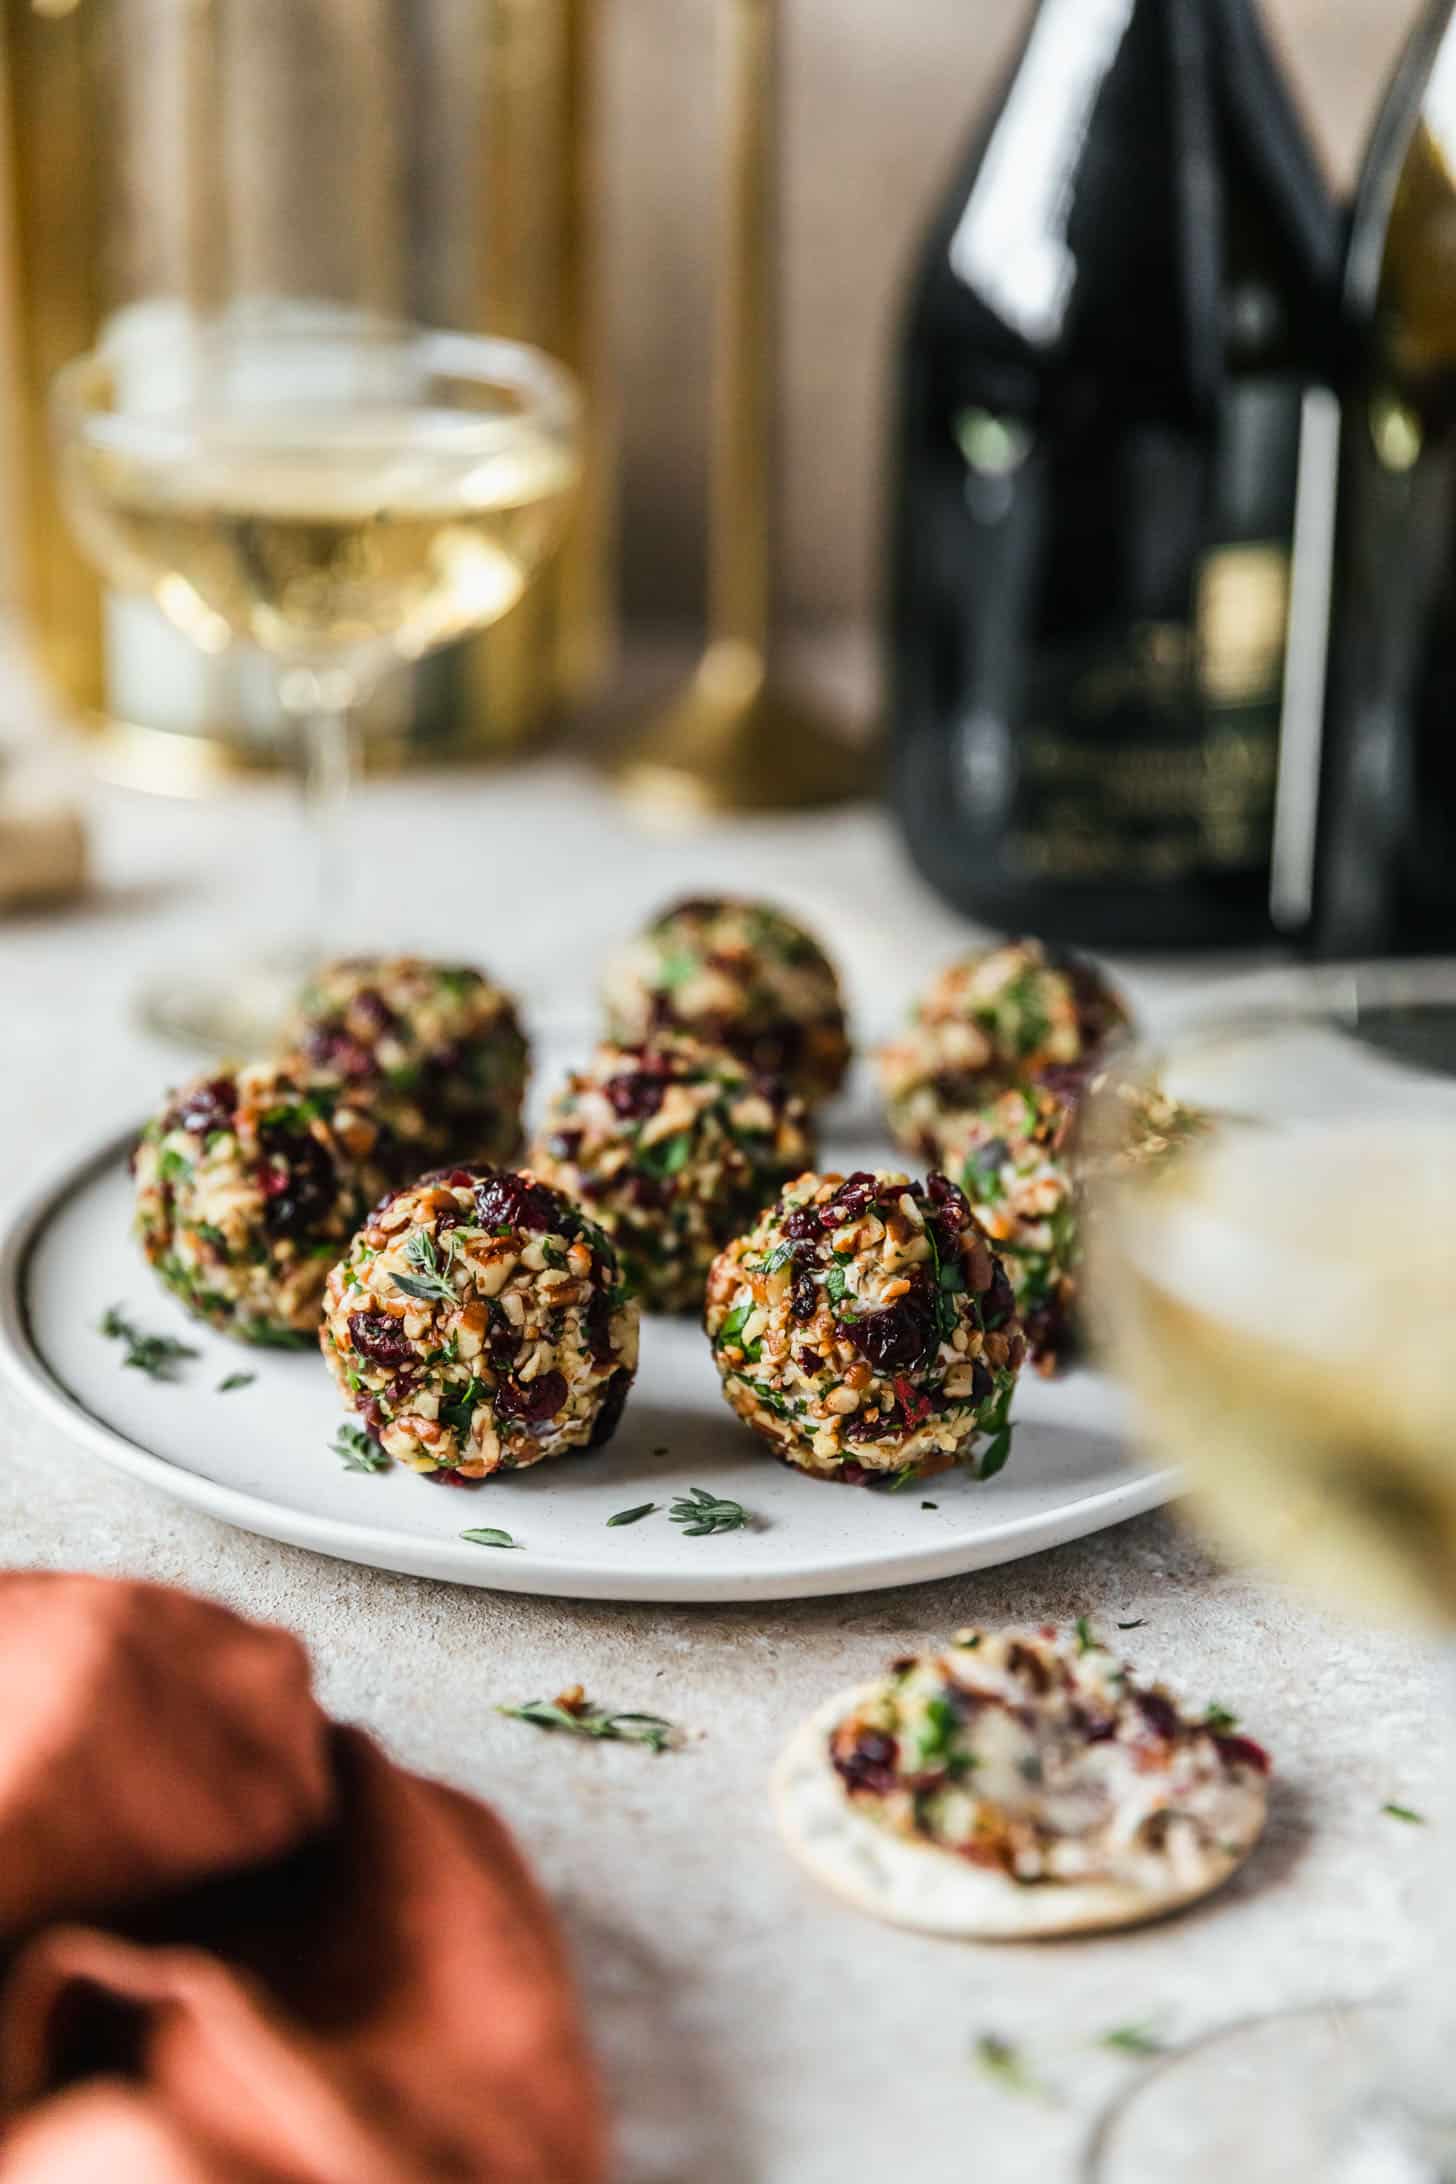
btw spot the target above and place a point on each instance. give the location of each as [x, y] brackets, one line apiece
[455, 139]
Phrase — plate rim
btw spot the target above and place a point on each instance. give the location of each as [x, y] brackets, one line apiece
[24, 1215]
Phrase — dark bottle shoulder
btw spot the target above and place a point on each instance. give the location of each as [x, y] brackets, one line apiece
[1107, 276]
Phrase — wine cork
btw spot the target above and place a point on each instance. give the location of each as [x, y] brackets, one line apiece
[42, 854]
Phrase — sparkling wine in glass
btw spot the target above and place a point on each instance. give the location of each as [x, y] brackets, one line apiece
[343, 495]
[1277, 1289]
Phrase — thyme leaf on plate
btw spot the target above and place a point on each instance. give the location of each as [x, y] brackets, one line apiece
[1133, 2040]
[158, 1356]
[235, 1380]
[633, 1516]
[699, 1513]
[488, 1535]
[1002, 2060]
[1404, 1812]
[358, 1450]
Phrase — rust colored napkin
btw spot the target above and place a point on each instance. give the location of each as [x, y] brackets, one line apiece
[237, 1945]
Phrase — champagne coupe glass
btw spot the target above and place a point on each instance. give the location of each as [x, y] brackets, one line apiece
[1272, 1264]
[339, 490]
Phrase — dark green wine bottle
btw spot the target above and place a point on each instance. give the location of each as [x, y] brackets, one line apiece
[1119, 311]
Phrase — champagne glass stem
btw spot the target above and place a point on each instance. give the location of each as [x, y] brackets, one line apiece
[323, 713]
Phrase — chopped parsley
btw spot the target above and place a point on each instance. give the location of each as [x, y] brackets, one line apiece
[668, 1157]
[1219, 1722]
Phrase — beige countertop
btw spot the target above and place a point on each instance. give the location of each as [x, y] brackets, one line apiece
[754, 2033]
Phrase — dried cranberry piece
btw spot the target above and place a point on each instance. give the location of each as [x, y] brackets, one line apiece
[376, 1335]
[1159, 1713]
[1049, 1330]
[855, 1194]
[446, 1477]
[810, 1360]
[870, 1765]
[566, 1144]
[503, 1345]
[448, 1218]
[403, 1384]
[332, 1049]
[609, 1417]
[531, 1401]
[301, 1194]
[860, 1426]
[804, 1297]
[803, 1225]
[372, 1414]
[374, 1009]
[635, 1094]
[998, 1306]
[597, 1324]
[504, 1200]
[913, 1405]
[950, 1201]
[1243, 1752]
[205, 1107]
[983, 1387]
[896, 1338]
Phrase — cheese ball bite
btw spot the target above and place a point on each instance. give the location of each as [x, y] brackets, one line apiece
[675, 1148]
[1019, 1784]
[866, 1329]
[248, 1186]
[437, 1047]
[1011, 1158]
[996, 1017]
[739, 975]
[479, 1323]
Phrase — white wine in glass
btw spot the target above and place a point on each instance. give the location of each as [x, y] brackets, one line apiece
[1276, 1290]
[344, 495]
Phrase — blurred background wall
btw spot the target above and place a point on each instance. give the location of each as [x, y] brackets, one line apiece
[879, 94]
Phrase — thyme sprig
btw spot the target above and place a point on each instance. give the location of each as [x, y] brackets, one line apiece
[358, 1450]
[158, 1356]
[430, 1281]
[580, 1716]
[699, 1513]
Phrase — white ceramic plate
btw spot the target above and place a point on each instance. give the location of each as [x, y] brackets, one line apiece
[260, 1456]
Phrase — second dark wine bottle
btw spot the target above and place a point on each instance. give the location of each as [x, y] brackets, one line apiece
[1120, 309]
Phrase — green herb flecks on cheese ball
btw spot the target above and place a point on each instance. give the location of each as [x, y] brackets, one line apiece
[675, 1148]
[866, 1329]
[480, 1323]
[439, 1046]
[996, 1017]
[1011, 1160]
[1035, 1754]
[739, 975]
[249, 1185]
